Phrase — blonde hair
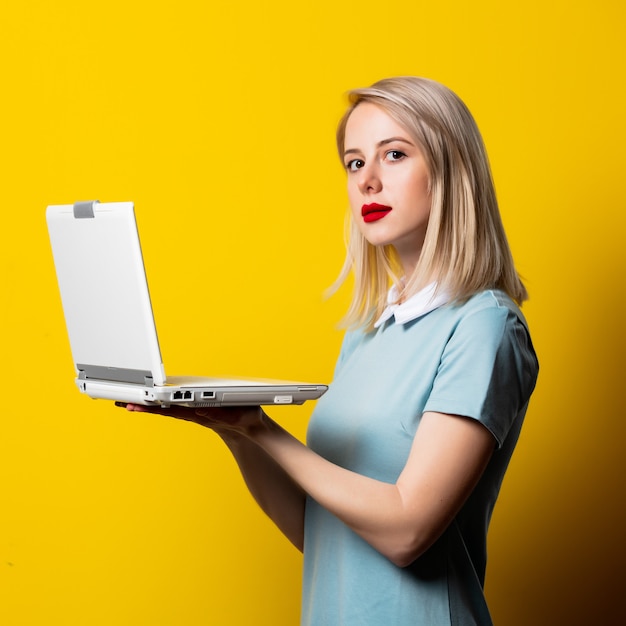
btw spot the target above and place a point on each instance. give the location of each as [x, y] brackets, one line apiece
[465, 249]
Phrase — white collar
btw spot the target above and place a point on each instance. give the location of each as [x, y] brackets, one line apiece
[424, 301]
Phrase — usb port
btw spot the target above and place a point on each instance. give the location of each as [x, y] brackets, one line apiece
[208, 394]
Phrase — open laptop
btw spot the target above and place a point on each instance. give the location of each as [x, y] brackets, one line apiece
[110, 323]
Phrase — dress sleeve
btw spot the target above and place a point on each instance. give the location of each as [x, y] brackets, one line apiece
[488, 370]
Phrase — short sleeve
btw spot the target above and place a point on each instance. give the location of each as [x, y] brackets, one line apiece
[487, 371]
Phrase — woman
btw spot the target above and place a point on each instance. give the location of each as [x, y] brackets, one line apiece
[391, 498]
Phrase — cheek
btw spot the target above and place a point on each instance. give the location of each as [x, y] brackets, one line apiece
[418, 190]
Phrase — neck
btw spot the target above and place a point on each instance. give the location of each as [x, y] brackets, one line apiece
[409, 263]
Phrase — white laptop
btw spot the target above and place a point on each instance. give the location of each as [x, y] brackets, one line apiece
[109, 319]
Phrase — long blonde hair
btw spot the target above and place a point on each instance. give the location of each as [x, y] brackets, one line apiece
[465, 248]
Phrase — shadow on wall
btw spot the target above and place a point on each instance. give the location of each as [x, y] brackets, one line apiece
[560, 543]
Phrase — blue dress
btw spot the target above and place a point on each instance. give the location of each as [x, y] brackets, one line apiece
[474, 360]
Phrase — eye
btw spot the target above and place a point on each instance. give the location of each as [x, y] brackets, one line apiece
[395, 155]
[354, 165]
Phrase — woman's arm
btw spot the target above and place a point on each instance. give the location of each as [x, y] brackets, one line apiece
[401, 520]
[273, 489]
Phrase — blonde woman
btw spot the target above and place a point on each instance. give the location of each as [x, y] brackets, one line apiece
[391, 498]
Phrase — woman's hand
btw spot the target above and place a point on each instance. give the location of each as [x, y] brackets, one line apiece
[237, 421]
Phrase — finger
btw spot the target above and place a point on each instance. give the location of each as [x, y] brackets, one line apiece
[135, 407]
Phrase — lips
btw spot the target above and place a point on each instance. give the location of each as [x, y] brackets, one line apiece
[374, 212]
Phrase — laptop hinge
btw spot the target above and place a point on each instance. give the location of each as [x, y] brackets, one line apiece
[83, 210]
[115, 374]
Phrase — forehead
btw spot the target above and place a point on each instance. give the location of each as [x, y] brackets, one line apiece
[369, 123]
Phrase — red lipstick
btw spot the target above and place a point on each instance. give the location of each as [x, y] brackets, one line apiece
[374, 212]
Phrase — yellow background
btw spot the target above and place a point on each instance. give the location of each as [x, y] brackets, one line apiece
[217, 120]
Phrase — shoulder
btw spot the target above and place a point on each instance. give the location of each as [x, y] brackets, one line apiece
[488, 335]
[491, 300]
[490, 312]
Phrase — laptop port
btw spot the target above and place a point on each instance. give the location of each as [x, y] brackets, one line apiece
[208, 394]
[182, 395]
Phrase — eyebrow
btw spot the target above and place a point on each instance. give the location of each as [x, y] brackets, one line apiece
[380, 144]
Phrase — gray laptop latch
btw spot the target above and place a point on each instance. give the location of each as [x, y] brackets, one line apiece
[83, 210]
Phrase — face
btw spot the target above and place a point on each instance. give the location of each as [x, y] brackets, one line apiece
[387, 182]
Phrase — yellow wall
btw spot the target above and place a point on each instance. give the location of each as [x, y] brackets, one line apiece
[217, 120]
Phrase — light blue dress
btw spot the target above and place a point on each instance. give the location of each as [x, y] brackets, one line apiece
[475, 360]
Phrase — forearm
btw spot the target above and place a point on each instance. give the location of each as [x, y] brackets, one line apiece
[400, 520]
[373, 509]
[272, 488]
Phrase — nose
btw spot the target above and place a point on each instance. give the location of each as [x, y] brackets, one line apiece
[369, 179]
